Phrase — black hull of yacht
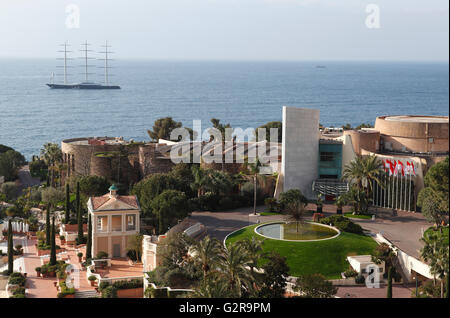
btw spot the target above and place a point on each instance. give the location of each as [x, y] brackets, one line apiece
[82, 86]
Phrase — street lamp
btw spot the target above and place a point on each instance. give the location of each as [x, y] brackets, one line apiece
[417, 282]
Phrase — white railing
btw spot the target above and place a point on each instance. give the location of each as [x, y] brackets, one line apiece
[407, 262]
[112, 280]
[193, 230]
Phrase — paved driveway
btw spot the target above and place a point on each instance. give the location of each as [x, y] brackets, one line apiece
[403, 230]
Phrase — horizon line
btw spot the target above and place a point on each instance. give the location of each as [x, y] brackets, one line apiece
[245, 59]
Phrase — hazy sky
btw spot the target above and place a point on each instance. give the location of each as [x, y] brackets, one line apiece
[231, 29]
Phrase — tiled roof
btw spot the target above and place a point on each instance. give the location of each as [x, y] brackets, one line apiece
[114, 201]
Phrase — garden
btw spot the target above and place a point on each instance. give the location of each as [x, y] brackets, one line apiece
[327, 257]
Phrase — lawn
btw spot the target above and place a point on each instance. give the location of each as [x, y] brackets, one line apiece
[325, 257]
[358, 216]
[444, 233]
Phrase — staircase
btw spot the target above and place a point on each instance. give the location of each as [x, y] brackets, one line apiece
[86, 294]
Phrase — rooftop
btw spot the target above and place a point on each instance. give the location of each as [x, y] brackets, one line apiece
[418, 119]
[110, 202]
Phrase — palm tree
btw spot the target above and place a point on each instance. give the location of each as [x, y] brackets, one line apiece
[296, 213]
[210, 180]
[51, 154]
[207, 253]
[436, 251]
[362, 171]
[200, 179]
[212, 287]
[253, 247]
[233, 265]
[135, 244]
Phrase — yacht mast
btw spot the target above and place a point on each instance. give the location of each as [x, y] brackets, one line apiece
[106, 59]
[65, 45]
[86, 50]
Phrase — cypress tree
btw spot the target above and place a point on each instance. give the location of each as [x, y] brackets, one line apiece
[89, 240]
[389, 288]
[446, 286]
[53, 244]
[79, 216]
[77, 198]
[47, 225]
[10, 249]
[67, 217]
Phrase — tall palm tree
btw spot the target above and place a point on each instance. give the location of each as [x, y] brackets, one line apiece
[51, 154]
[233, 266]
[253, 247]
[363, 170]
[207, 253]
[212, 287]
[436, 252]
[210, 180]
[296, 213]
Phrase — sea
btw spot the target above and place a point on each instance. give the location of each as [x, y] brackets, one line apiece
[242, 93]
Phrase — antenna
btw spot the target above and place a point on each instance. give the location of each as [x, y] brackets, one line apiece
[85, 50]
[65, 45]
[106, 59]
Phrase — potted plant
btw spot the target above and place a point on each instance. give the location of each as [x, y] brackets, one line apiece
[92, 279]
[340, 202]
[80, 257]
[38, 271]
[61, 275]
[62, 239]
[19, 249]
[52, 271]
[44, 271]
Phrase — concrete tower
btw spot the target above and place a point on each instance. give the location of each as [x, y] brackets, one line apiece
[300, 158]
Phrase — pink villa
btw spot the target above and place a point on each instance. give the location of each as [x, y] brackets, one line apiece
[114, 219]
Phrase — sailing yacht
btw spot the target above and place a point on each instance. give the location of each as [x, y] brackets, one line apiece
[86, 84]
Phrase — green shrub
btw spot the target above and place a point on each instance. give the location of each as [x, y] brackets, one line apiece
[271, 205]
[209, 202]
[64, 290]
[226, 203]
[103, 285]
[360, 279]
[18, 296]
[20, 290]
[291, 196]
[109, 292]
[124, 284]
[92, 278]
[350, 273]
[101, 254]
[343, 224]
[17, 279]
[156, 292]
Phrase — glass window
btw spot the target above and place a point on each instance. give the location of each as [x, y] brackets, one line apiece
[131, 222]
[102, 223]
[116, 223]
[327, 156]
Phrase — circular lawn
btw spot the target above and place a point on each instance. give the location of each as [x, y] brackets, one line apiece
[328, 257]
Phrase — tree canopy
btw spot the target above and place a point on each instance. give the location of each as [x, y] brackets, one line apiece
[169, 207]
[10, 162]
[273, 124]
[433, 198]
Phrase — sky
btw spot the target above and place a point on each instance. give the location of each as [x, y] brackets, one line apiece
[408, 30]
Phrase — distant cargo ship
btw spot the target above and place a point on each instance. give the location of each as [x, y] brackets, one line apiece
[86, 84]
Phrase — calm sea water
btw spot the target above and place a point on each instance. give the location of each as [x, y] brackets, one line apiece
[244, 94]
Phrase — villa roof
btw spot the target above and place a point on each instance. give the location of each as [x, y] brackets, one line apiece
[110, 202]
